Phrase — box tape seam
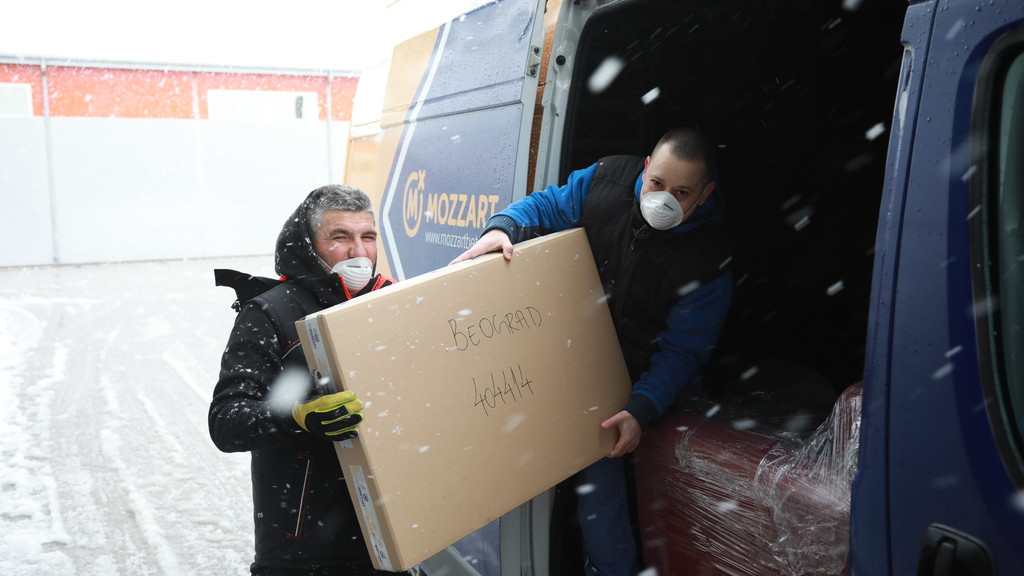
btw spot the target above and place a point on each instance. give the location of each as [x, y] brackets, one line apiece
[323, 364]
[380, 549]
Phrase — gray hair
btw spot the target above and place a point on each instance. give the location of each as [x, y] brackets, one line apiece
[334, 197]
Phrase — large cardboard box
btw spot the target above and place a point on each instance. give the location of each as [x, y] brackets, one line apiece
[484, 384]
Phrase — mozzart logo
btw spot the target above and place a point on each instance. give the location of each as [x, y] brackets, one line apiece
[469, 211]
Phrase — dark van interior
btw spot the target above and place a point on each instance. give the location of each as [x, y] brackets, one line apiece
[798, 95]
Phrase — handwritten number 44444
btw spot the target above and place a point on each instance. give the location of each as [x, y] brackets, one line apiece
[508, 386]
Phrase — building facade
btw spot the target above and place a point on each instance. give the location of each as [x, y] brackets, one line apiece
[103, 162]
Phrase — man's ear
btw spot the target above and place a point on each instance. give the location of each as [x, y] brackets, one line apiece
[707, 192]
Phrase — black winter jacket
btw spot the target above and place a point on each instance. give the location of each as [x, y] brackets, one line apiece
[303, 515]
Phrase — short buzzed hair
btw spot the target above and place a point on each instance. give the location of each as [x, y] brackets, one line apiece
[691, 144]
[334, 197]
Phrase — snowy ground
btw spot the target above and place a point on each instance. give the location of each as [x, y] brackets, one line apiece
[106, 466]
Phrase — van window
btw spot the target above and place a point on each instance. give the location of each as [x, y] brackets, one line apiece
[1000, 286]
[1010, 188]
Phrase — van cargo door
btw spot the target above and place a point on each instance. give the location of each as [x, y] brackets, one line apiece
[457, 114]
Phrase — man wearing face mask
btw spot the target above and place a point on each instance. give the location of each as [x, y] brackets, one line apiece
[266, 403]
[663, 258]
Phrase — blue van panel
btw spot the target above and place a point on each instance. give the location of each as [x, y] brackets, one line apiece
[928, 454]
[483, 62]
[440, 208]
[869, 518]
[469, 108]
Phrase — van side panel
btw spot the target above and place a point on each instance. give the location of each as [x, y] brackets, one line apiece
[460, 144]
[939, 464]
[371, 156]
[869, 514]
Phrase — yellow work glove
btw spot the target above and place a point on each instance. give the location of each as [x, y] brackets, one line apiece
[332, 416]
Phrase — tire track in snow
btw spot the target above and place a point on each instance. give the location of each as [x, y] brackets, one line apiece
[107, 531]
[186, 377]
[89, 486]
[111, 446]
[197, 495]
[227, 527]
[29, 502]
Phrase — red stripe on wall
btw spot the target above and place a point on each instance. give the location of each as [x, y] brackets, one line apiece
[131, 93]
[343, 92]
[116, 93]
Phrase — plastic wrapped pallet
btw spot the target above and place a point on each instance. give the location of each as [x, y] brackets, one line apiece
[729, 499]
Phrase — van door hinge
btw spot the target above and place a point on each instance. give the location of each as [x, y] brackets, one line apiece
[533, 62]
[947, 551]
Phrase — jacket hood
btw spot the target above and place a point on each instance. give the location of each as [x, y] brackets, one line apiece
[711, 210]
[294, 256]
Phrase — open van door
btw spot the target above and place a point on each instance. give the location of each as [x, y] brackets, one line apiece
[440, 140]
[939, 487]
[452, 144]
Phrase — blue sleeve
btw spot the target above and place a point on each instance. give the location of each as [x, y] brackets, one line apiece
[549, 210]
[694, 323]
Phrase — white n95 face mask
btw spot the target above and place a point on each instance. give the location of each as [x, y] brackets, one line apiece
[356, 272]
[661, 210]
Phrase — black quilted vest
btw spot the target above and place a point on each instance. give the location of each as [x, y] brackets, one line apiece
[643, 270]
